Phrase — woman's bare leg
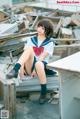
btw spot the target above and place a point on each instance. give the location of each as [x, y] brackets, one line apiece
[28, 55]
[42, 77]
[25, 56]
[27, 66]
[41, 72]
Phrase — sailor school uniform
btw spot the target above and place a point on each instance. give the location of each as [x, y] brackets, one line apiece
[40, 47]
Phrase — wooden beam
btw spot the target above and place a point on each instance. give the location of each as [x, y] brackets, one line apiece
[9, 96]
[67, 46]
[33, 84]
[17, 35]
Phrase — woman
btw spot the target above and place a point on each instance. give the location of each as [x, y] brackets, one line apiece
[35, 56]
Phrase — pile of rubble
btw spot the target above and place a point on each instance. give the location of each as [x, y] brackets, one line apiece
[22, 22]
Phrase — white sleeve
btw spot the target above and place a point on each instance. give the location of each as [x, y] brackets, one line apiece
[49, 48]
[28, 43]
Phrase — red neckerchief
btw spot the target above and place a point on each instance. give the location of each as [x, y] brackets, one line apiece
[38, 50]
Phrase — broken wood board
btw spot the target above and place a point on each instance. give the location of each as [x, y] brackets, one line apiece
[75, 18]
[16, 35]
[3, 16]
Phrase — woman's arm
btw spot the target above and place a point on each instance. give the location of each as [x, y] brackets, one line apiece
[48, 50]
[43, 56]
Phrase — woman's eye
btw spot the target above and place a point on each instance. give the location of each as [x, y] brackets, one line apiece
[43, 28]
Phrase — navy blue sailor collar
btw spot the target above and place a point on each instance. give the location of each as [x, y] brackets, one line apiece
[45, 42]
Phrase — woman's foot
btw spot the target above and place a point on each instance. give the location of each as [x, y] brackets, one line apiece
[12, 74]
[42, 99]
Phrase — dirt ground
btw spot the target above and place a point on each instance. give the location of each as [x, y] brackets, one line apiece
[31, 109]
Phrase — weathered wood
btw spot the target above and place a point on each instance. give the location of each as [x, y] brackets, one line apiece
[34, 84]
[17, 35]
[9, 96]
[61, 13]
[69, 75]
[76, 32]
[75, 19]
[67, 39]
[65, 50]
[1, 90]
[12, 47]
[34, 22]
[46, 8]
[3, 16]
[58, 26]
[66, 21]
[68, 46]
[65, 32]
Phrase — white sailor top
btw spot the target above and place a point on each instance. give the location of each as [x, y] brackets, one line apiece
[40, 47]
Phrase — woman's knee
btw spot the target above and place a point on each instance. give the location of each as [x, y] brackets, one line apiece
[39, 64]
[29, 49]
[28, 53]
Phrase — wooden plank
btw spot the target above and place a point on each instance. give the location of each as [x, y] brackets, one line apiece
[3, 16]
[70, 63]
[16, 35]
[9, 96]
[65, 50]
[34, 22]
[34, 84]
[70, 89]
[68, 46]
[75, 18]
[58, 26]
[12, 47]
[69, 75]
[1, 90]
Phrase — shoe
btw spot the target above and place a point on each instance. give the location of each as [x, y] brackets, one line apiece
[12, 74]
[42, 99]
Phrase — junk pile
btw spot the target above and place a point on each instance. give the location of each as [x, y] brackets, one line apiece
[22, 22]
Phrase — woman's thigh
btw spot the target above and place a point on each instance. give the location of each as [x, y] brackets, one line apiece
[28, 65]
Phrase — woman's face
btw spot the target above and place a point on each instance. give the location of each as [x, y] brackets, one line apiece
[41, 30]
